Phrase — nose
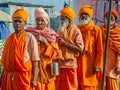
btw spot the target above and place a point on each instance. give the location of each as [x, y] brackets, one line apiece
[39, 22]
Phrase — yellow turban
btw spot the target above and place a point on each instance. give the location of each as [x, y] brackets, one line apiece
[68, 12]
[86, 9]
[20, 13]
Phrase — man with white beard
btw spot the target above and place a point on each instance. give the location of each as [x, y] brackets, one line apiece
[70, 44]
[84, 19]
[90, 62]
[113, 56]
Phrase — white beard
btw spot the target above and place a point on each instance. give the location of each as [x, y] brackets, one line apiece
[111, 22]
[84, 22]
[64, 25]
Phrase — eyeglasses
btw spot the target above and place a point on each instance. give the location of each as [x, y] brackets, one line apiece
[15, 21]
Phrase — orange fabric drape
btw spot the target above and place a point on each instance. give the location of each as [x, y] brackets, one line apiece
[47, 56]
[17, 73]
[111, 84]
[114, 37]
[67, 80]
[69, 35]
[92, 56]
[87, 30]
[113, 51]
[87, 88]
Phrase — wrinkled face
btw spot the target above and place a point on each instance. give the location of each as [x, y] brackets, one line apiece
[84, 19]
[40, 22]
[113, 20]
[18, 24]
[64, 21]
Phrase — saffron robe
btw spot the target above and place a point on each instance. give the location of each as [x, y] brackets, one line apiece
[67, 78]
[16, 61]
[47, 55]
[113, 56]
[92, 56]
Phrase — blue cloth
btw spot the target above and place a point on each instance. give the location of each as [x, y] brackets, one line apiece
[4, 31]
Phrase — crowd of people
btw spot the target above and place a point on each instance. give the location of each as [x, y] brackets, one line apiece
[30, 54]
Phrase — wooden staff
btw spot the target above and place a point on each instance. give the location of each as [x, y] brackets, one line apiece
[106, 44]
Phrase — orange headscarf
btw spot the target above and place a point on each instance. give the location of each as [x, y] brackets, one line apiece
[86, 9]
[20, 13]
[114, 12]
[68, 12]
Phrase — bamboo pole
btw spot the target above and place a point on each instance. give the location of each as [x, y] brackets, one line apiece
[106, 44]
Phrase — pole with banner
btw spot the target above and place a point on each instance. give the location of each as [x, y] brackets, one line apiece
[106, 44]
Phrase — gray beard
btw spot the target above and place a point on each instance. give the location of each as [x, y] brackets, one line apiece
[84, 22]
[63, 25]
[111, 22]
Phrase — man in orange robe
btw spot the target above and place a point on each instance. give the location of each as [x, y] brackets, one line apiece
[113, 57]
[90, 61]
[20, 54]
[70, 44]
[47, 39]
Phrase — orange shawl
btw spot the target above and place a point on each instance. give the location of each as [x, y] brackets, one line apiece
[51, 52]
[69, 35]
[87, 31]
[48, 33]
[114, 37]
[92, 56]
[48, 54]
[16, 72]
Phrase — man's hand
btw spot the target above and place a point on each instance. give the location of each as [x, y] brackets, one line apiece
[61, 41]
[43, 40]
[33, 83]
[117, 70]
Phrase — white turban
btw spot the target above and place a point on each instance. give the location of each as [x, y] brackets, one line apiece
[40, 12]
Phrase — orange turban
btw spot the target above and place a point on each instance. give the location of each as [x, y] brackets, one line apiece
[20, 13]
[68, 12]
[86, 9]
[114, 12]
